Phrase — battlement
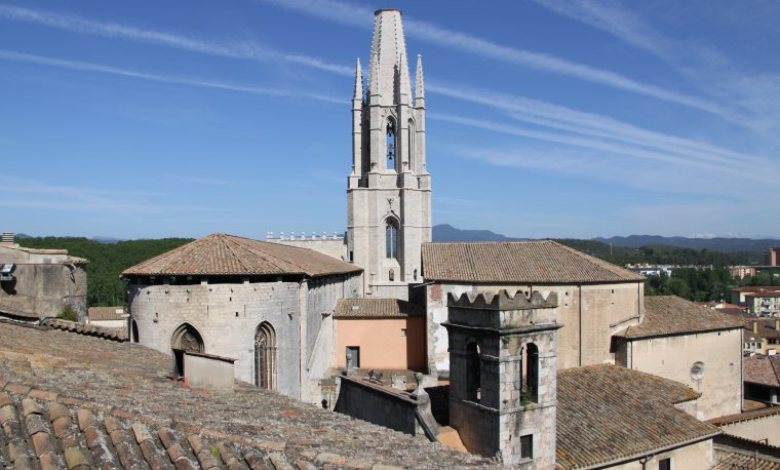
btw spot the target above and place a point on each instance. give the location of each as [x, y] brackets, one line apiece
[503, 300]
[270, 236]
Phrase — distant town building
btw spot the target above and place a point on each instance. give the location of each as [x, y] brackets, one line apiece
[651, 270]
[760, 300]
[774, 256]
[741, 272]
[38, 283]
[762, 378]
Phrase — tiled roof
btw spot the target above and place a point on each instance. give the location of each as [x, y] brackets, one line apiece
[736, 461]
[760, 369]
[745, 416]
[113, 334]
[142, 415]
[538, 262]
[607, 412]
[376, 308]
[222, 254]
[106, 313]
[670, 315]
[757, 289]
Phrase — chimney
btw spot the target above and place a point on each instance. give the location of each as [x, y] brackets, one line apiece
[7, 238]
[755, 327]
[777, 324]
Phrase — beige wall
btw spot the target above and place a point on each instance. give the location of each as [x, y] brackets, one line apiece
[698, 456]
[672, 357]
[757, 429]
[605, 309]
[208, 372]
[385, 343]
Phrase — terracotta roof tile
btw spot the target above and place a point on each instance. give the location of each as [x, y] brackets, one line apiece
[229, 255]
[735, 461]
[105, 404]
[543, 261]
[376, 308]
[607, 412]
[669, 315]
[760, 369]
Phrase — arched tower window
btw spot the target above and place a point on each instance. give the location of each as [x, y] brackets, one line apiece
[265, 356]
[134, 331]
[473, 373]
[391, 239]
[410, 141]
[531, 383]
[391, 144]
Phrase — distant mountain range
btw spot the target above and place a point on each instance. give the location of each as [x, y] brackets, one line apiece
[445, 232]
[725, 245]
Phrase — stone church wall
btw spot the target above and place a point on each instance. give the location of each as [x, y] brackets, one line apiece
[672, 357]
[227, 317]
[605, 309]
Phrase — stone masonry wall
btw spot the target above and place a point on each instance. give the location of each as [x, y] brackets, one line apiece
[227, 317]
[606, 309]
[44, 289]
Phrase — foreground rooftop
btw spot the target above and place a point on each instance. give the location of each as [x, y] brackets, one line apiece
[98, 397]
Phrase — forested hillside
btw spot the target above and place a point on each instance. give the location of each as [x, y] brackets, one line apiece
[107, 261]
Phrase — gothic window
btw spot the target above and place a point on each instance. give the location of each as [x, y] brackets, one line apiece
[473, 373]
[390, 145]
[265, 356]
[531, 383]
[186, 338]
[391, 239]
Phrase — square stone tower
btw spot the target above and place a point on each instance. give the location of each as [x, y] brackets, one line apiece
[503, 371]
[389, 188]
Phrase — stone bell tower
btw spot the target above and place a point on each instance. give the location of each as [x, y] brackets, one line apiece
[503, 372]
[389, 188]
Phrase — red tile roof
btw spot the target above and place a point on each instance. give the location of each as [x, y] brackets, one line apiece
[607, 412]
[669, 315]
[763, 370]
[376, 308]
[229, 255]
[537, 262]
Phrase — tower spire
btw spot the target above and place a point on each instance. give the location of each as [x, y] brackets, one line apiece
[358, 82]
[419, 85]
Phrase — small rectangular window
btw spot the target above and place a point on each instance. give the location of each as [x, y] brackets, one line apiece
[353, 356]
[665, 464]
[527, 446]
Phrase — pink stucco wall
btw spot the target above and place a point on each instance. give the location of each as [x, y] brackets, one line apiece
[385, 343]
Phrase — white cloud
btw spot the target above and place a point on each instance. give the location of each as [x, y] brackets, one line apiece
[92, 67]
[356, 15]
[234, 49]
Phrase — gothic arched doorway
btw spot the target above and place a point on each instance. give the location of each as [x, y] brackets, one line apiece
[185, 339]
[265, 356]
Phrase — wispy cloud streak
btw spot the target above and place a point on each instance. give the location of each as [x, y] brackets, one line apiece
[356, 15]
[93, 67]
[592, 125]
[234, 49]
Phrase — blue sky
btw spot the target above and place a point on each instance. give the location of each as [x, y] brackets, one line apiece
[545, 118]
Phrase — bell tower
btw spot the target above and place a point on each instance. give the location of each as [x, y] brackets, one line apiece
[389, 187]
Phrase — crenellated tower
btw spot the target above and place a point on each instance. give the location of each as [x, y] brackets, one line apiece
[389, 187]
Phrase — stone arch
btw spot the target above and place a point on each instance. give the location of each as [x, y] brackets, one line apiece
[473, 372]
[134, 331]
[265, 356]
[530, 383]
[187, 338]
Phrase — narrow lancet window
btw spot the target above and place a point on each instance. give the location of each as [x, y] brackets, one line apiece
[390, 145]
[391, 239]
[410, 140]
[531, 385]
